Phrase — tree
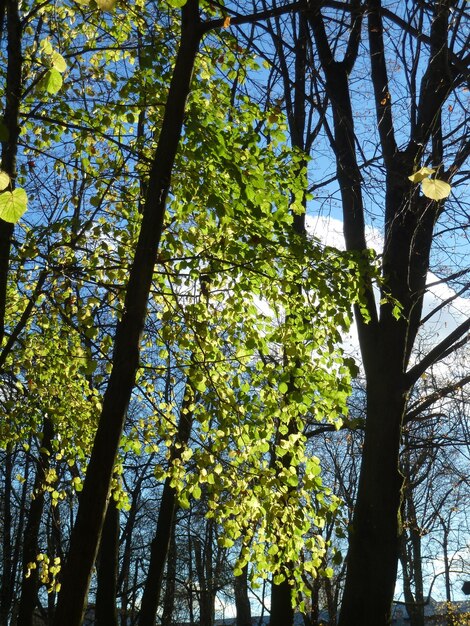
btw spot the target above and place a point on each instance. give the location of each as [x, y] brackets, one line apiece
[217, 232]
[434, 70]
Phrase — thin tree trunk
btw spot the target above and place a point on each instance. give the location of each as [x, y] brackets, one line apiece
[22, 521]
[6, 587]
[445, 552]
[411, 562]
[86, 533]
[165, 522]
[107, 570]
[123, 580]
[30, 585]
[282, 612]
[170, 586]
[204, 562]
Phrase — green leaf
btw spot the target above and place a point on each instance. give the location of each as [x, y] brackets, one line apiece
[283, 388]
[58, 62]
[106, 5]
[183, 501]
[197, 492]
[225, 542]
[52, 81]
[421, 174]
[200, 385]
[435, 189]
[46, 46]
[4, 180]
[177, 3]
[13, 204]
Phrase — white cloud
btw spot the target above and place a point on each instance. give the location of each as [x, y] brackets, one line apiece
[330, 231]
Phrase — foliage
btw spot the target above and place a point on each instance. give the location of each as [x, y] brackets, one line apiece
[245, 317]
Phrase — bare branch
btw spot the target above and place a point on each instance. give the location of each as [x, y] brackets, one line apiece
[443, 349]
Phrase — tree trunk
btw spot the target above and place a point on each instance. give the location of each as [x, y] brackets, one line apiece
[282, 612]
[13, 90]
[386, 343]
[375, 535]
[169, 598]
[107, 570]
[6, 587]
[445, 551]
[411, 561]
[242, 601]
[165, 522]
[30, 585]
[86, 533]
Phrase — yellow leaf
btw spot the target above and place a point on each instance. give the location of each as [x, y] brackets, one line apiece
[46, 46]
[13, 204]
[435, 189]
[58, 62]
[4, 180]
[227, 22]
[106, 5]
[421, 174]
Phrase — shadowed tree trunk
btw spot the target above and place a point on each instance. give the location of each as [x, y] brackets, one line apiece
[170, 584]
[166, 516]
[30, 585]
[6, 586]
[12, 130]
[282, 612]
[107, 570]
[242, 601]
[12, 93]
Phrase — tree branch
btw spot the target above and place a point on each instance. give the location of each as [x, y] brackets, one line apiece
[444, 348]
[383, 100]
[434, 397]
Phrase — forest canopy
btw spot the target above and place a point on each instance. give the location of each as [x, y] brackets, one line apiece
[184, 425]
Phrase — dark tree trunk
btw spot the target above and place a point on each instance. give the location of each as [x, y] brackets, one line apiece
[6, 586]
[165, 522]
[410, 557]
[107, 570]
[170, 584]
[282, 612]
[86, 533]
[375, 536]
[30, 585]
[445, 551]
[242, 601]
[10, 146]
[8, 165]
